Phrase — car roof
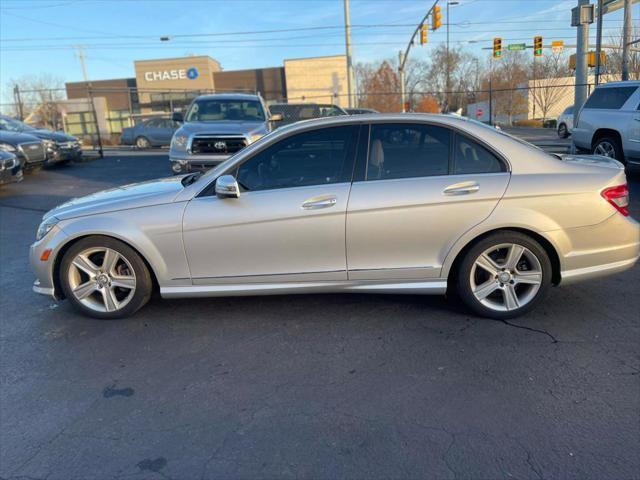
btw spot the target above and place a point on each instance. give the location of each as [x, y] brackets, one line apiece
[626, 83]
[229, 96]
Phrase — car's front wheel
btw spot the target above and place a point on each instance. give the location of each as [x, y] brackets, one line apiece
[504, 275]
[104, 278]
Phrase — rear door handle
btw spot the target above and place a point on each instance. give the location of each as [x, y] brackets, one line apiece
[317, 203]
[464, 188]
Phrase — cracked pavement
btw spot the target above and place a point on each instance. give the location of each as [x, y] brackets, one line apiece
[324, 386]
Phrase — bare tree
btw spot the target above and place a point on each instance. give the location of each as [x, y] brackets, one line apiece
[614, 56]
[547, 74]
[379, 87]
[38, 95]
[505, 77]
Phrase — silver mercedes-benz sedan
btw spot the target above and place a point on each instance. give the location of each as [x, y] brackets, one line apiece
[420, 204]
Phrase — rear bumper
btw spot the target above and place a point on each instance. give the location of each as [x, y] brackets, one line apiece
[589, 252]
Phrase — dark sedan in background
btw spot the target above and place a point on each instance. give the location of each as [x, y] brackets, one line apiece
[154, 132]
[59, 146]
[29, 149]
[10, 168]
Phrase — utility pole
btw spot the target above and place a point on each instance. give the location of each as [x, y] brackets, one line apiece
[90, 95]
[599, 39]
[347, 34]
[626, 39]
[582, 46]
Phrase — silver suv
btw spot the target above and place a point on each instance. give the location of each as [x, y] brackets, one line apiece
[609, 122]
[216, 127]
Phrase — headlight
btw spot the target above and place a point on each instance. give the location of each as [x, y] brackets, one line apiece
[179, 142]
[7, 147]
[256, 136]
[45, 227]
[8, 164]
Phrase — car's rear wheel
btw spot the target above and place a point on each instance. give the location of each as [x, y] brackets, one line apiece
[563, 132]
[104, 278]
[143, 143]
[608, 147]
[504, 275]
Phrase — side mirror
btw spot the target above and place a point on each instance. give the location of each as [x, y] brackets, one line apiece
[177, 117]
[276, 117]
[227, 187]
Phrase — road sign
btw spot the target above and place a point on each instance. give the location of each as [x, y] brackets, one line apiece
[517, 46]
[557, 46]
[479, 112]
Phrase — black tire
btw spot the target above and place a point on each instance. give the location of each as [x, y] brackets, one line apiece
[463, 274]
[142, 143]
[609, 143]
[563, 132]
[143, 281]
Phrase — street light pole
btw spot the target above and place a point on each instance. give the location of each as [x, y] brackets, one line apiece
[347, 34]
[626, 39]
[448, 80]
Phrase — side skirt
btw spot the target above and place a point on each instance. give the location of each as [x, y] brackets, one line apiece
[425, 287]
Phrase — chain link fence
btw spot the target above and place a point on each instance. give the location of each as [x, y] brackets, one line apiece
[99, 114]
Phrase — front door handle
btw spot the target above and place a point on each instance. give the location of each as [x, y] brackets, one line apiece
[464, 188]
[316, 203]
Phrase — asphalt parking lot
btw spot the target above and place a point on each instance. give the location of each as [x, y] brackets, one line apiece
[324, 386]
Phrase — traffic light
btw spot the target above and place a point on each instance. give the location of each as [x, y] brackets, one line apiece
[537, 46]
[497, 47]
[423, 34]
[436, 17]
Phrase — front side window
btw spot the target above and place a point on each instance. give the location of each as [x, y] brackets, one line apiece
[471, 157]
[213, 110]
[316, 157]
[405, 150]
[609, 97]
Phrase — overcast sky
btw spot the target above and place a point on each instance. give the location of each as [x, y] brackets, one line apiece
[38, 35]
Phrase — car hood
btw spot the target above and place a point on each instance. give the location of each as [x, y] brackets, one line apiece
[223, 128]
[49, 135]
[145, 194]
[15, 138]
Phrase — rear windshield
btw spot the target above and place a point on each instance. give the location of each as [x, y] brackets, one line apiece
[212, 110]
[609, 97]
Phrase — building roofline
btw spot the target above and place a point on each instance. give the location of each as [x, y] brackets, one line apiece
[315, 58]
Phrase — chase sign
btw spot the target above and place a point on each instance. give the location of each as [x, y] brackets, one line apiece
[175, 74]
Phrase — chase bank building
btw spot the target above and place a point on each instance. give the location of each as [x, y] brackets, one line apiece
[164, 85]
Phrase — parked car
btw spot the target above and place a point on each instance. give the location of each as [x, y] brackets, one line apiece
[609, 122]
[29, 149]
[60, 147]
[10, 168]
[216, 127]
[294, 112]
[359, 111]
[153, 132]
[386, 203]
[565, 122]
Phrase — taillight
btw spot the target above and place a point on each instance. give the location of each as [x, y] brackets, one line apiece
[618, 196]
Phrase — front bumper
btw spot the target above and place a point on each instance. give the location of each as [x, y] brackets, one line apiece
[63, 154]
[12, 175]
[194, 163]
[44, 270]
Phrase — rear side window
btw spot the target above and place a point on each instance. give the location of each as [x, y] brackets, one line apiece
[405, 150]
[471, 157]
[609, 97]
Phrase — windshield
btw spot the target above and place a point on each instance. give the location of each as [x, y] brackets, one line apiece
[12, 125]
[214, 110]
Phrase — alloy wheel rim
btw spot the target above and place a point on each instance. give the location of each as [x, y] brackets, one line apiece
[605, 149]
[102, 279]
[506, 277]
